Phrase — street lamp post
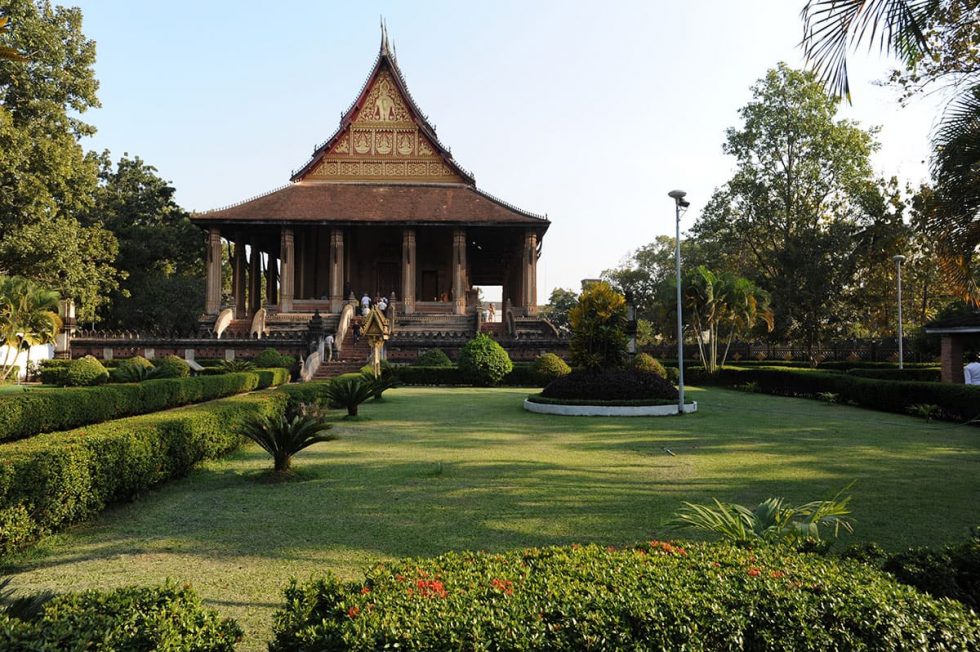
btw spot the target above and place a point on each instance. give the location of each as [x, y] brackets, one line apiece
[899, 259]
[679, 203]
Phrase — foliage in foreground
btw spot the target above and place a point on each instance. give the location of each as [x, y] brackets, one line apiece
[284, 435]
[655, 596]
[169, 617]
[483, 361]
[771, 521]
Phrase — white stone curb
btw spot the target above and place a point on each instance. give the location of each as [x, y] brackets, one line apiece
[607, 410]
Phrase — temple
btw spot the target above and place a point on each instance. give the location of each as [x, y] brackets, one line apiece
[380, 208]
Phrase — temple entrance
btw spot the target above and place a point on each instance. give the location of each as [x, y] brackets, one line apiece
[430, 286]
[389, 279]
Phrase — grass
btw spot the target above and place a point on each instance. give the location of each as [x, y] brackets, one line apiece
[434, 469]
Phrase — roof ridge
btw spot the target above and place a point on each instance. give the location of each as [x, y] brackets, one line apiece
[245, 201]
[507, 204]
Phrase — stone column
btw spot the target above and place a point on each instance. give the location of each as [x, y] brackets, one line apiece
[408, 271]
[951, 359]
[254, 279]
[288, 257]
[212, 295]
[238, 279]
[336, 270]
[529, 272]
[459, 270]
[271, 280]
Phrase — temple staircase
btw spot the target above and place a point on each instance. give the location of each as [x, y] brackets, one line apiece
[352, 358]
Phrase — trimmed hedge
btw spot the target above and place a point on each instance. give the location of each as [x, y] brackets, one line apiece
[610, 385]
[483, 361]
[85, 372]
[30, 413]
[172, 366]
[53, 480]
[550, 366]
[169, 617]
[659, 596]
[272, 358]
[958, 402]
[433, 358]
[636, 402]
[915, 374]
[520, 375]
[646, 362]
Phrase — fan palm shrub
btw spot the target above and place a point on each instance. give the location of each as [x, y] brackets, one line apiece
[349, 391]
[284, 435]
[230, 366]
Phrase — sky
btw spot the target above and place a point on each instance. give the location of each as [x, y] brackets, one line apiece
[587, 112]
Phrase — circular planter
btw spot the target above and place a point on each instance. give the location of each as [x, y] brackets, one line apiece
[607, 410]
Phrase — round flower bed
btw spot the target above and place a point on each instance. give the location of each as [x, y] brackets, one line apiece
[608, 392]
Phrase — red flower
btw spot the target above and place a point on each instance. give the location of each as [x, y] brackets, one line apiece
[504, 586]
[753, 571]
[365, 590]
[716, 564]
[352, 612]
[400, 578]
[777, 574]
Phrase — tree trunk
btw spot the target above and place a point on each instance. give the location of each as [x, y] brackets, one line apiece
[282, 462]
[352, 410]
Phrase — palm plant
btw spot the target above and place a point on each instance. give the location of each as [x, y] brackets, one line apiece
[237, 365]
[284, 435]
[771, 521]
[28, 317]
[349, 391]
[24, 608]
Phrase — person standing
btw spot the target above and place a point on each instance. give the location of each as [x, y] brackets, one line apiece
[491, 313]
[356, 329]
[971, 372]
[365, 304]
[328, 345]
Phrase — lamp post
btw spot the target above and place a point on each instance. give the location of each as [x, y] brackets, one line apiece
[679, 203]
[899, 259]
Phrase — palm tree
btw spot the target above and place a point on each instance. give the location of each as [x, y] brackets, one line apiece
[910, 29]
[28, 317]
[284, 435]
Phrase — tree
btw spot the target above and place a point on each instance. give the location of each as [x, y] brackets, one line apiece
[598, 323]
[938, 43]
[7, 52]
[160, 251]
[794, 205]
[46, 178]
[556, 311]
[28, 317]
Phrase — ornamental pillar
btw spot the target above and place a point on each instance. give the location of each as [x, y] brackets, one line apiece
[212, 278]
[459, 270]
[951, 359]
[238, 278]
[336, 270]
[254, 278]
[408, 271]
[529, 268]
[288, 269]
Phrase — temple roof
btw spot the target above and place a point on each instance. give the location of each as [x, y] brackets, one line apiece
[376, 203]
[969, 323]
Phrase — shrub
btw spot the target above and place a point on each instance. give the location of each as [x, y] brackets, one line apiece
[272, 358]
[916, 374]
[137, 361]
[284, 435]
[30, 413]
[386, 380]
[659, 596]
[524, 374]
[483, 361]
[550, 366]
[433, 358]
[160, 618]
[952, 572]
[648, 363]
[228, 366]
[412, 375]
[349, 391]
[610, 385]
[85, 372]
[50, 481]
[598, 323]
[53, 371]
[172, 366]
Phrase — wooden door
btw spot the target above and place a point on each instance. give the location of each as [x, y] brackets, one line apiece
[430, 286]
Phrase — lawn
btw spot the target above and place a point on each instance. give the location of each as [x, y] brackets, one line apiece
[429, 470]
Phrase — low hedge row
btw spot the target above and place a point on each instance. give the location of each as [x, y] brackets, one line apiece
[658, 596]
[918, 374]
[169, 617]
[611, 385]
[50, 481]
[637, 402]
[522, 375]
[957, 402]
[30, 413]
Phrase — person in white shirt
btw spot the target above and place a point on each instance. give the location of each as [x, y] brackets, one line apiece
[365, 304]
[971, 372]
[383, 305]
[328, 346]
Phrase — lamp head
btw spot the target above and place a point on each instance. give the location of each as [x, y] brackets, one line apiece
[899, 258]
[676, 194]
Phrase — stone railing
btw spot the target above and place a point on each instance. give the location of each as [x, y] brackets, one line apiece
[310, 366]
[342, 325]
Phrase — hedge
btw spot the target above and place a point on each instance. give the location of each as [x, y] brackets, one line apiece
[169, 617]
[50, 481]
[636, 402]
[921, 374]
[30, 413]
[957, 402]
[658, 596]
[521, 375]
[610, 385]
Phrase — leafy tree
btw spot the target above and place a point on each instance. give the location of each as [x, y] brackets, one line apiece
[159, 249]
[793, 207]
[483, 361]
[598, 323]
[556, 310]
[46, 178]
[28, 317]
[7, 52]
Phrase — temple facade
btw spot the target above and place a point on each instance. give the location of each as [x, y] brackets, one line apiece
[380, 208]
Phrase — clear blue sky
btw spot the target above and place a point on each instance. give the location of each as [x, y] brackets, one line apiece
[589, 112]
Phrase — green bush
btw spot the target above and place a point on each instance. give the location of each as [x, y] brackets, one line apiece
[386, 381]
[52, 480]
[159, 618]
[272, 358]
[524, 375]
[349, 391]
[85, 372]
[951, 572]
[412, 375]
[958, 402]
[433, 358]
[648, 363]
[30, 413]
[483, 361]
[659, 596]
[53, 371]
[550, 366]
[610, 385]
[919, 374]
[172, 366]
[636, 402]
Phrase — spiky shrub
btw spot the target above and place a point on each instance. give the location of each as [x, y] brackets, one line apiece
[433, 358]
[484, 362]
[85, 372]
[128, 373]
[771, 521]
[386, 381]
[349, 391]
[172, 366]
[648, 363]
[231, 366]
[285, 434]
[549, 366]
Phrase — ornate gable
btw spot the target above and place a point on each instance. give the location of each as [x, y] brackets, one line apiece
[383, 139]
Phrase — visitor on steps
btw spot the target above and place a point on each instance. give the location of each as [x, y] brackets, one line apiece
[356, 329]
[328, 346]
[365, 304]
[383, 305]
